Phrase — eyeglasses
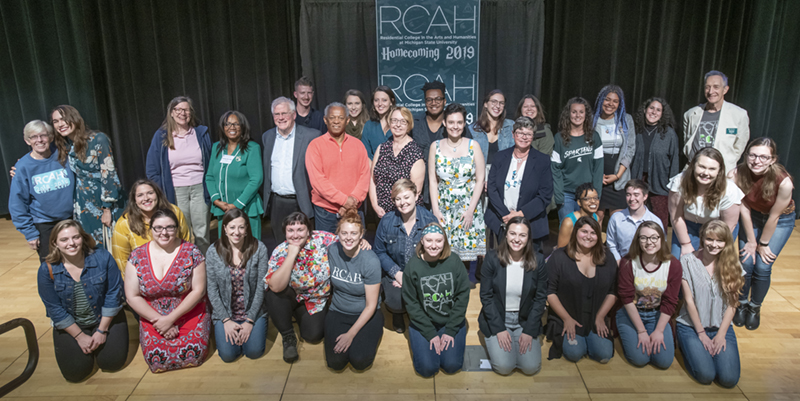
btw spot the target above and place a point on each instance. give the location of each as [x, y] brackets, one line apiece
[181, 111]
[590, 199]
[434, 99]
[645, 239]
[398, 121]
[524, 134]
[34, 138]
[497, 103]
[281, 114]
[761, 158]
[160, 229]
[231, 125]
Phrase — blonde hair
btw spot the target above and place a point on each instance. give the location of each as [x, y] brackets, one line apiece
[401, 185]
[55, 256]
[728, 269]
[406, 113]
[35, 127]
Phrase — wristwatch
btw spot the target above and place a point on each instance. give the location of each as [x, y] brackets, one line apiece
[101, 331]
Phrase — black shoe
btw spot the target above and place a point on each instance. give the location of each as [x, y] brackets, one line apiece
[738, 317]
[398, 322]
[752, 318]
[290, 348]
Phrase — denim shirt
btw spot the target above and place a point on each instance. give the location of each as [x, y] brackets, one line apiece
[391, 239]
[102, 283]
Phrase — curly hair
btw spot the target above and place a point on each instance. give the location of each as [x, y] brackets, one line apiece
[728, 269]
[565, 125]
[667, 117]
[770, 185]
[717, 188]
[619, 115]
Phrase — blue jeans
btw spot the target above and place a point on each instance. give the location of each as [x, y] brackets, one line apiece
[253, 348]
[569, 206]
[629, 338]
[327, 221]
[693, 229]
[758, 272]
[598, 348]
[724, 368]
[427, 363]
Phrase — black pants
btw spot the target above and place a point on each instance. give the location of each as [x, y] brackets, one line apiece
[111, 356]
[392, 296]
[282, 305]
[364, 346]
[44, 230]
[280, 207]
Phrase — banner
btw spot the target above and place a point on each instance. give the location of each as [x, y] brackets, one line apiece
[426, 40]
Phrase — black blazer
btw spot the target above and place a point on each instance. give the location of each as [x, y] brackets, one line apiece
[492, 318]
[534, 195]
[302, 185]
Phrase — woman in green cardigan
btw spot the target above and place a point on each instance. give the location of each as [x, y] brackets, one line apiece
[235, 172]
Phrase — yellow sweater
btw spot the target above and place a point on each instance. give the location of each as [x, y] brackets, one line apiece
[125, 241]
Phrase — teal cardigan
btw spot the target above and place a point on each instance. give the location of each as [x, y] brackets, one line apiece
[236, 182]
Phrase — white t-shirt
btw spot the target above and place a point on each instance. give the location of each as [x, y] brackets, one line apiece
[697, 212]
[514, 276]
[513, 183]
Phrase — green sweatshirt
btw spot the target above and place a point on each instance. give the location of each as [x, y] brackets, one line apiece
[576, 164]
[436, 295]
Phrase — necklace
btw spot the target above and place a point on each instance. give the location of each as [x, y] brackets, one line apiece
[456, 145]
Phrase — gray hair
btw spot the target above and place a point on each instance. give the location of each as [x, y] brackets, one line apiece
[335, 104]
[281, 100]
[715, 72]
[524, 122]
[36, 127]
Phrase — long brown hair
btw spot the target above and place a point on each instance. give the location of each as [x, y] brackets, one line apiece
[169, 124]
[528, 254]
[715, 191]
[388, 91]
[223, 244]
[727, 268]
[362, 117]
[598, 251]
[565, 125]
[770, 185]
[135, 216]
[55, 256]
[636, 250]
[79, 130]
[540, 118]
[484, 121]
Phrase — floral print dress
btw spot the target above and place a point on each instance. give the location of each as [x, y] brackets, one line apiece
[190, 347]
[390, 168]
[311, 274]
[97, 185]
[456, 185]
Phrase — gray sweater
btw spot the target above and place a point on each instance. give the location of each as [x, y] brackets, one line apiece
[219, 284]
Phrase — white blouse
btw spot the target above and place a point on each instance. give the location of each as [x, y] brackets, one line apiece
[697, 212]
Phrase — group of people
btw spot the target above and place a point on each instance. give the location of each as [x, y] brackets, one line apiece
[447, 193]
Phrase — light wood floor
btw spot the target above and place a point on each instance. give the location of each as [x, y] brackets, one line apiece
[770, 361]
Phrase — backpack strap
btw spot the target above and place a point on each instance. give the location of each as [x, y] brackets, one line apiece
[50, 269]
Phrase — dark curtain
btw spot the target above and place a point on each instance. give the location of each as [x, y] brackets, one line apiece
[120, 62]
[338, 45]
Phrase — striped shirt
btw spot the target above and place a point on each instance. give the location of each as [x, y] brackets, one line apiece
[80, 304]
[706, 291]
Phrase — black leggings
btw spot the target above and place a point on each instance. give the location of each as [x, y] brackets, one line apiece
[111, 356]
[364, 346]
[282, 305]
[392, 296]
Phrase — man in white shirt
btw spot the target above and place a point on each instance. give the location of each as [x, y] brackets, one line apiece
[286, 185]
[622, 225]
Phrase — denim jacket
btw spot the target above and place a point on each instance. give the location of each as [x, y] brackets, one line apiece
[390, 239]
[505, 137]
[102, 283]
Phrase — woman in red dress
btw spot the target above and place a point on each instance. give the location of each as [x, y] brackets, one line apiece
[165, 283]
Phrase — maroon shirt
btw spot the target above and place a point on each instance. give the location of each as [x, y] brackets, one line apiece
[669, 298]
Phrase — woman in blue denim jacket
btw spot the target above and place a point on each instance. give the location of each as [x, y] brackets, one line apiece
[398, 233]
[492, 130]
[81, 288]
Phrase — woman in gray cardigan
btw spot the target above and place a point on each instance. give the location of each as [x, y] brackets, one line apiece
[616, 130]
[236, 266]
[656, 156]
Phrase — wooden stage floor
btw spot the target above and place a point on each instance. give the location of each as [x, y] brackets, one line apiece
[770, 361]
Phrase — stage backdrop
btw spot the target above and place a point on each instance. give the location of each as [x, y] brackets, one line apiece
[433, 40]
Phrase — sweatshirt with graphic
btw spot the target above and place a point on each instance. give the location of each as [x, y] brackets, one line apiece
[575, 164]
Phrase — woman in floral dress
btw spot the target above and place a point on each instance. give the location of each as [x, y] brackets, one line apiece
[165, 284]
[98, 193]
[457, 166]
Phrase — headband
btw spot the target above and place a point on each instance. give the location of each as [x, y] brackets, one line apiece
[432, 229]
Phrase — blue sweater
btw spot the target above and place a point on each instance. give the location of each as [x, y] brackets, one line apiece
[157, 166]
[41, 192]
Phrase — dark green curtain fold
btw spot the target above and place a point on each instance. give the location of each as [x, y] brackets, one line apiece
[120, 62]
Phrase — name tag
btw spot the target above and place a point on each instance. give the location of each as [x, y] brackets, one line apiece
[731, 131]
[226, 159]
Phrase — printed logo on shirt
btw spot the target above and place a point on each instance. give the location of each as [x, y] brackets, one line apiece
[50, 181]
[346, 276]
[437, 291]
[578, 153]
